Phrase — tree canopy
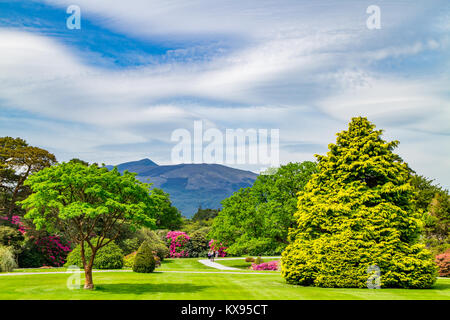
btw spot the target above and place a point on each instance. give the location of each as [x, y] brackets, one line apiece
[357, 213]
[17, 161]
[256, 220]
[88, 204]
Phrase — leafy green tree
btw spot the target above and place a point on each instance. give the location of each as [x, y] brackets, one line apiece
[256, 220]
[434, 203]
[167, 216]
[356, 213]
[89, 205]
[17, 161]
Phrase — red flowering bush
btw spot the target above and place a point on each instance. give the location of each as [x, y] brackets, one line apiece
[177, 244]
[271, 265]
[54, 250]
[443, 262]
[217, 246]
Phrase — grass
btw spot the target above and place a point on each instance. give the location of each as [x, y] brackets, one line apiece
[195, 286]
[240, 264]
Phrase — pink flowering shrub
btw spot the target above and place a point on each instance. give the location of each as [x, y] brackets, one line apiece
[16, 221]
[177, 244]
[217, 246]
[54, 250]
[271, 265]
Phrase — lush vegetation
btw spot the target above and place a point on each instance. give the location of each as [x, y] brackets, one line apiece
[144, 262]
[256, 220]
[87, 202]
[358, 212]
[109, 256]
[189, 284]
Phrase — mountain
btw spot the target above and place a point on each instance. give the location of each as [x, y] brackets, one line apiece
[191, 185]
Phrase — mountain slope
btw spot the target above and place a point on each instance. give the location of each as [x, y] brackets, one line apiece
[192, 185]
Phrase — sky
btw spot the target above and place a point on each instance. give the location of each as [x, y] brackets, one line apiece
[115, 89]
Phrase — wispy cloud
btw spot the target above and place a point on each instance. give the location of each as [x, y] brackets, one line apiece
[138, 70]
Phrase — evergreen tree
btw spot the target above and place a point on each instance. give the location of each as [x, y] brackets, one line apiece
[358, 212]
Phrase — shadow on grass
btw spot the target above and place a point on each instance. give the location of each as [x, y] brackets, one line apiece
[441, 286]
[137, 288]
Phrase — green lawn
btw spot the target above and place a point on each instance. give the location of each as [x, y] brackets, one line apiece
[186, 284]
[241, 264]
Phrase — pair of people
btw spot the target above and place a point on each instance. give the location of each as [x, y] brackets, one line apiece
[213, 254]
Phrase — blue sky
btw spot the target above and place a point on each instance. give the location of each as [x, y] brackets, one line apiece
[114, 90]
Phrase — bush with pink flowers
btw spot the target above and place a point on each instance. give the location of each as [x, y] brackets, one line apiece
[271, 265]
[16, 221]
[177, 244]
[215, 245]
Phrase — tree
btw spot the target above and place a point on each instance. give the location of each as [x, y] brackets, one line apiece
[256, 220]
[434, 203]
[167, 216]
[205, 214]
[89, 205]
[356, 214]
[17, 161]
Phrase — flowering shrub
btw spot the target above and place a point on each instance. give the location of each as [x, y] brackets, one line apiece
[16, 221]
[217, 246]
[54, 250]
[177, 244]
[443, 262]
[271, 265]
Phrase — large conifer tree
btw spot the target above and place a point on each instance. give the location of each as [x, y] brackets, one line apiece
[357, 212]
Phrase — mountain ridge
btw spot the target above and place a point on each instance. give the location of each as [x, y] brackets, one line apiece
[191, 185]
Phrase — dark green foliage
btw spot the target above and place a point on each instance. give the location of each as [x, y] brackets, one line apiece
[144, 261]
[107, 257]
[30, 256]
[205, 214]
[11, 237]
[358, 211]
[256, 220]
[198, 243]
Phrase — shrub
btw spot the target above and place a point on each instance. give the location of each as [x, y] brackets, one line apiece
[258, 260]
[7, 261]
[107, 257]
[128, 260]
[30, 256]
[11, 237]
[178, 241]
[145, 260]
[249, 259]
[159, 246]
[53, 249]
[443, 262]
[129, 246]
[271, 265]
[198, 243]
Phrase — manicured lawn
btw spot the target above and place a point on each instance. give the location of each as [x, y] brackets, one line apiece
[186, 284]
[241, 264]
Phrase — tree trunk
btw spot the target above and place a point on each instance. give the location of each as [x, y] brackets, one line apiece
[88, 283]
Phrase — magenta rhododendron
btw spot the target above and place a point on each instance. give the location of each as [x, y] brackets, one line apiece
[54, 250]
[271, 265]
[217, 246]
[16, 220]
[177, 244]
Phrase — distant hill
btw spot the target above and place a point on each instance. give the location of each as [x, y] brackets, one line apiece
[191, 185]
